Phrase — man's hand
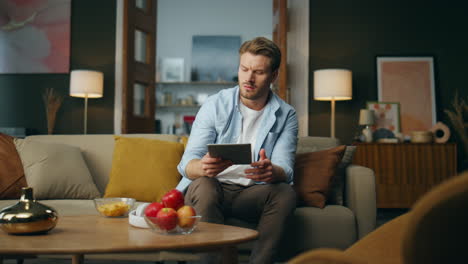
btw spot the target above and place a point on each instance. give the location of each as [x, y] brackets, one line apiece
[213, 166]
[264, 171]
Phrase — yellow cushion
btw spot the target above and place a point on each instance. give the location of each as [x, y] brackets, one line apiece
[143, 169]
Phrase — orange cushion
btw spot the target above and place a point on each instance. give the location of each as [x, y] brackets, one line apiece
[313, 174]
[12, 177]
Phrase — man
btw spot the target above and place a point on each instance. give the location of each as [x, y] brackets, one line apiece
[248, 113]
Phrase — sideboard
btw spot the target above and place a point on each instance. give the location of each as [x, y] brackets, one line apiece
[405, 171]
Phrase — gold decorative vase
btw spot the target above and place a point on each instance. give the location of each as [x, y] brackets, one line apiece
[28, 216]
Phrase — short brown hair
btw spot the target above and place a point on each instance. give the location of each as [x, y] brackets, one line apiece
[265, 47]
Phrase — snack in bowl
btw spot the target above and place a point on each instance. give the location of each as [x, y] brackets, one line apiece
[114, 207]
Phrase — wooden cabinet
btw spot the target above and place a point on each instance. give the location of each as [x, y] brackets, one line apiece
[405, 171]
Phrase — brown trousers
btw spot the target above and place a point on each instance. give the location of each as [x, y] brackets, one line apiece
[269, 205]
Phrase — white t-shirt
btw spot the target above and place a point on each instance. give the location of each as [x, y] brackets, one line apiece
[250, 123]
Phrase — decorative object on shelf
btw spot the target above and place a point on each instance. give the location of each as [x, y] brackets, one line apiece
[458, 117]
[167, 98]
[366, 118]
[201, 97]
[386, 115]
[52, 102]
[28, 216]
[382, 133]
[332, 85]
[421, 137]
[172, 70]
[188, 122]
[215, 58]
[86, 84]
[409, 81]
[441, 132]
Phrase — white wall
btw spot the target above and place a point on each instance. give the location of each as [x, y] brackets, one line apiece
[179, 20]
[298, 61]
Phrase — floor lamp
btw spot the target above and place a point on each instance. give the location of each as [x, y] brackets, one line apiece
[332, 85]
[86, 84]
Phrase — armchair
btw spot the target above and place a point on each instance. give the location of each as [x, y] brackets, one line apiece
[434, 231]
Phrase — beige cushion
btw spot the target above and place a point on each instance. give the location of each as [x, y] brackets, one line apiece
[97, 151]
[55, 171]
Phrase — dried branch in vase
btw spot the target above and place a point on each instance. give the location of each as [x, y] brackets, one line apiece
[52, 102]
[458, 117]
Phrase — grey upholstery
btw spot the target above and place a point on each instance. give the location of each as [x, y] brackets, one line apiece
[335, 226]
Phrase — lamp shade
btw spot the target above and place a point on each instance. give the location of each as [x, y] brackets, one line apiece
[366, 117]
[86, 83]
[332, 84]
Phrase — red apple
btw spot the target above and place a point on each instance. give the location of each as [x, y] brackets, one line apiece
[153, 208]
[184, 215]
[166, 218]
[173, 199]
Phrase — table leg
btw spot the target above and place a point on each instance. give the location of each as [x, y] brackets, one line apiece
[78, 259]
[230, 255]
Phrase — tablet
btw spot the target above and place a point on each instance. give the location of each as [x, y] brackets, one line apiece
[237, 153]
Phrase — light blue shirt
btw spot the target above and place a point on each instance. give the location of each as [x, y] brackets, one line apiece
[219, 121]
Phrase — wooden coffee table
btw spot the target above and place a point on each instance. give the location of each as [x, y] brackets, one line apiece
[80, 235]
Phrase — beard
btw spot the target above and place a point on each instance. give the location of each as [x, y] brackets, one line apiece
[254, 94]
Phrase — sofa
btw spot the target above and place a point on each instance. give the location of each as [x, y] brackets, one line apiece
[336, 225]
[433, 231]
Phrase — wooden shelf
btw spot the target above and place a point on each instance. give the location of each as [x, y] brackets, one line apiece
[177, 106]
[197, 83]
[405, 171]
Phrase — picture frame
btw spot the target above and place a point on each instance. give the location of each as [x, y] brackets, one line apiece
[410, 81]
[172, 70]
[386, 115]
[215, 58]
[35, 37]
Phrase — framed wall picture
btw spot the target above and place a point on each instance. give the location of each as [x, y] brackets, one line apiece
[35, 36]
[172, 69]
[215, 58]
[410, 82]
[386, 115]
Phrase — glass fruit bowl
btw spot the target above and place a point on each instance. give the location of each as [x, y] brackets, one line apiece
[114, 207]
[184, 225]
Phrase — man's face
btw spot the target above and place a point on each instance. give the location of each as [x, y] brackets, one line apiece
[255, 76]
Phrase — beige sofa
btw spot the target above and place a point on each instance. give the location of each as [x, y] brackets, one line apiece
[335, 226]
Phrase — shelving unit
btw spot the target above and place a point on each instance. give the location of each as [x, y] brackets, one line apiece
[174, 100]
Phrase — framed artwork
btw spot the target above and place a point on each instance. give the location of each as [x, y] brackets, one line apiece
[215, 58]
[35, 36]
[386, 115]
[172, 70]
[410, 82]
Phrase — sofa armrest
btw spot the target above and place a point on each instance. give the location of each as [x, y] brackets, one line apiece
[360, 197]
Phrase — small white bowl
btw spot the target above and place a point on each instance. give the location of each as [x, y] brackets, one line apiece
[136, 220]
